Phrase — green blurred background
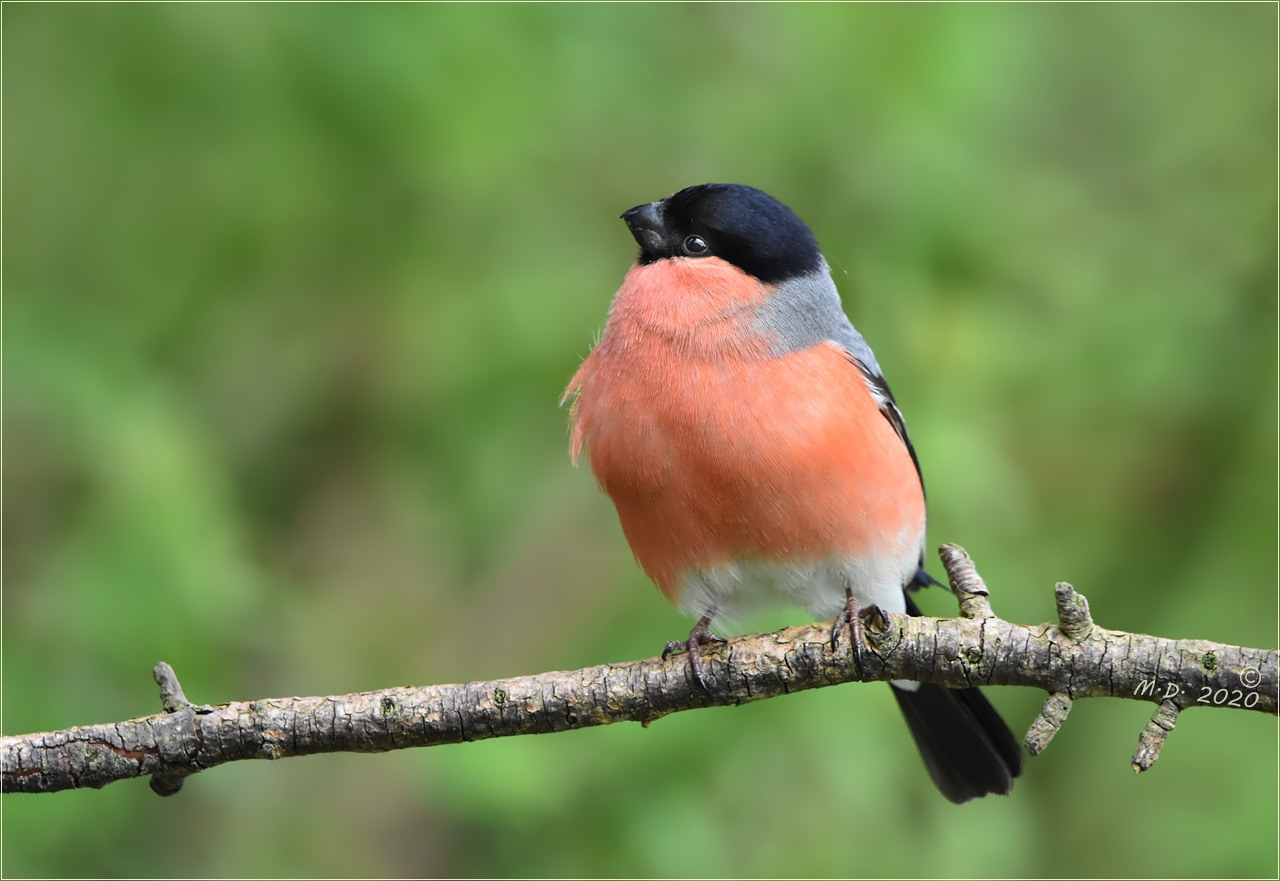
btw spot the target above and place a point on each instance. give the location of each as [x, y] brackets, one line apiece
[292, 292]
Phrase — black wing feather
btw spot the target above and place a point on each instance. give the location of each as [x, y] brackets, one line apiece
[879, 388]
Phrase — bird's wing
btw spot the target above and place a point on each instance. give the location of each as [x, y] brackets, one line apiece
[883, 397]
[879, 389]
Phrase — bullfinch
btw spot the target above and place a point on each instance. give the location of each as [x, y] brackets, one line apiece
[746, 435]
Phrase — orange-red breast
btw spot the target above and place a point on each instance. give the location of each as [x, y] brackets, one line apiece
[753, 450]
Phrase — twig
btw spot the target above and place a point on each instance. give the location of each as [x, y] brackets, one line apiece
[1071, 660]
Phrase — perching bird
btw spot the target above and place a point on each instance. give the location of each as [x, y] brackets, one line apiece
[749, 441]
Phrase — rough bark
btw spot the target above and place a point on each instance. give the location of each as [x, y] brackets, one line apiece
[1071, 659]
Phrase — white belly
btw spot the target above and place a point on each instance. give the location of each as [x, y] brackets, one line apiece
[730, 592]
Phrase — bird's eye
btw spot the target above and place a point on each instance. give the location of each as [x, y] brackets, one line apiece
[695, 245]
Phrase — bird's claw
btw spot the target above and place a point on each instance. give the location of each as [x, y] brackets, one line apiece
[850, 616]
[699, 636]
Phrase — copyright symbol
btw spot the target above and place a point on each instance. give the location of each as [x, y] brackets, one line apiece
[1250, 677]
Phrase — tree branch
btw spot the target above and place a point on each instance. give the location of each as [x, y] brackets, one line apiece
[1072, 659]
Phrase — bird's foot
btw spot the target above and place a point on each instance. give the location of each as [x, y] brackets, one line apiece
[849, 616]
[699, 636]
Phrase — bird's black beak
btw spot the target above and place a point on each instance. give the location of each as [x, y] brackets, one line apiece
[645, 226]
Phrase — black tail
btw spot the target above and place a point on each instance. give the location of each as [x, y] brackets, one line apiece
[968, 749]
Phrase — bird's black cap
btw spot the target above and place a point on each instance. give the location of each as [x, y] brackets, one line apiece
[739, 224]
